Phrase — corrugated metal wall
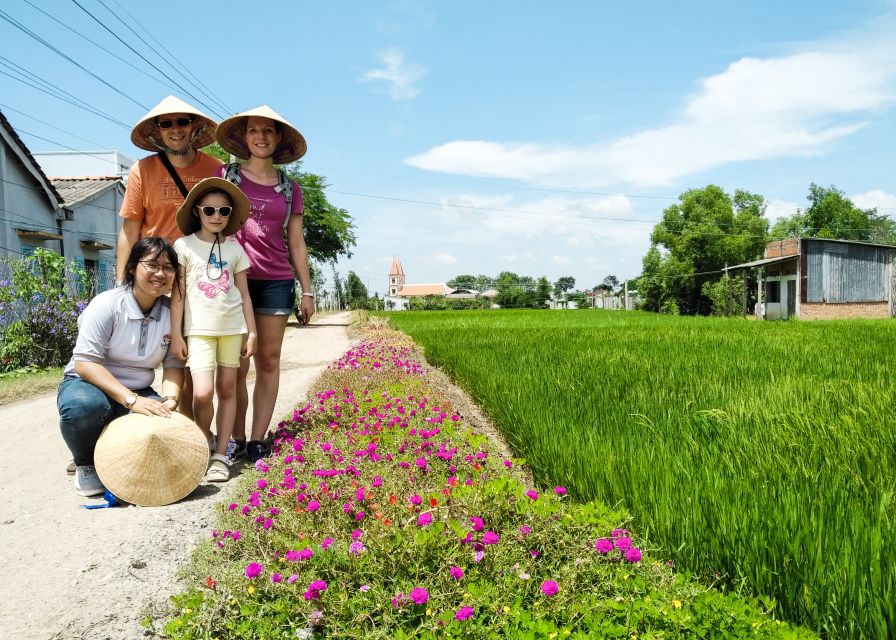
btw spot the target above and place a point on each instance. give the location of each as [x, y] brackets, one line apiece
[842, 272]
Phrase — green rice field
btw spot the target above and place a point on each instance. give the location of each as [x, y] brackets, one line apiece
[759, 455]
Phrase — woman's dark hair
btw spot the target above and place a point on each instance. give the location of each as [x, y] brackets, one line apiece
[195, 225]
[150, 249]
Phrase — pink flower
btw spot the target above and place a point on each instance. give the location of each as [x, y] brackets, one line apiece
[292, 555]
[633, 554]
[292, 578]
[532, 494]
[549, 588]
[416, 500]
[306, 554]
[356, 548]
[377, 481]
[508, 464]
[253, 569]
[359, 494]
[478, 556]
[315, 589]
[364, 588]
[623, 543]
[359, 515]
[603, 545]
[357, 533]
[525, 529]
[560, 491]
[313, 505]
[456, 572]
[464, 613]
[419, 595]
[478, 524]
[424, 519]
[490, 537]
[326, 542]
[276, 577]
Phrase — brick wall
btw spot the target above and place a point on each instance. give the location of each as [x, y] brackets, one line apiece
[780, 248]
[822, 311]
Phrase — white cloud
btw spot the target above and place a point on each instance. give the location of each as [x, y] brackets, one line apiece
[439, 259]
[561, 260]
[400, 79]
[884, 202]
[509, 259]
[791, 105]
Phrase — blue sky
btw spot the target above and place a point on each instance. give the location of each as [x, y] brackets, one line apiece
[540, 138]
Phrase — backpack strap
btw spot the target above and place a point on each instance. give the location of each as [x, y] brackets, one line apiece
[232, 173]
[285, 187]
[173, 173]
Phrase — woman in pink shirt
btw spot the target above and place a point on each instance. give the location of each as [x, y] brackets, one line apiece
[262, 138]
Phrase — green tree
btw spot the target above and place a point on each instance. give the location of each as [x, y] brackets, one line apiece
[542, 292]
[698, 236]
[832, 215]
[608, 284]
[356, 292]
[462, 282]
[564, 284]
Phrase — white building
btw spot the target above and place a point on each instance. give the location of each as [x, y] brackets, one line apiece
[84, 163]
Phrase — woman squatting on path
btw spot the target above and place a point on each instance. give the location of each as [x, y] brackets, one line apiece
[262, 138]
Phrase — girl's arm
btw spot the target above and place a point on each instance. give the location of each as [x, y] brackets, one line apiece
[240, 281]
[298, 257]
[178, 346]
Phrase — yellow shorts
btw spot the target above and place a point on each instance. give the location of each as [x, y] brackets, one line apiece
[206, 353]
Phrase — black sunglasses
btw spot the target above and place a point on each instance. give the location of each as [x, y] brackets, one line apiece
[208, 210]
[181, 122]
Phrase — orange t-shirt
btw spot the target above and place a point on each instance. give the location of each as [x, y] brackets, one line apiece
[153, 198]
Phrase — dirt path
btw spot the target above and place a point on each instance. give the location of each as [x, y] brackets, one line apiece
[72, 574]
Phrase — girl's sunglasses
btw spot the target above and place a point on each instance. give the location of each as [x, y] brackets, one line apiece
[208, 210]
[181, 122]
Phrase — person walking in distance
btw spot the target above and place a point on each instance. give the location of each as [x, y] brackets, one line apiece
[262, 138]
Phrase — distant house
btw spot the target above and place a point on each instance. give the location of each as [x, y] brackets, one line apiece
[814, 278]
[91, 241]
[400, 293]
[84, 163]
[31, 211]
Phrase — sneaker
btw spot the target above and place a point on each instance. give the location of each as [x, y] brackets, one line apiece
[256, 450]
[87, 483]
[236, 449]
[71, 468]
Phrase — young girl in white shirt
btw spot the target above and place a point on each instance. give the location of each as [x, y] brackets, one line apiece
[212, 308]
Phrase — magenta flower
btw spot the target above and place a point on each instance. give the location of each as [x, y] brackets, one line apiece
[633, 554]
[456, 572]
[490, 537]
[419, 595]
[306, 554]
[292, 555]
[326, 543]
[315, 589]
[560, 491]
[623, 543]
[313, 505]
[359, 494]
[603, 545]
[357, 533]
[275, 578]
[549, 588]
[359, 515]
[532, 494]
[508, 464]
[292, 578]
[356, 547]
[416, 500]
[464, 613]
[525, 529]
[478, 524]
[478, 556]
[253, 569]
[424, 519]
[377, 481]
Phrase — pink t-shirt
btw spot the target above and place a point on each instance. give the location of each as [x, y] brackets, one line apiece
[263, 237]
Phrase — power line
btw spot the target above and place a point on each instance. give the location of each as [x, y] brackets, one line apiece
[74, 135]
[96, 44]
[198, 83]
[142, 57]
[18, 25]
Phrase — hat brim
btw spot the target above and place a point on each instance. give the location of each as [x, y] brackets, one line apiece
[240, 205]
[145, 133]
[151, 461]
[231, 135]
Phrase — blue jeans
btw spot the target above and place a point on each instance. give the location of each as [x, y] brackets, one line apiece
[84, 411]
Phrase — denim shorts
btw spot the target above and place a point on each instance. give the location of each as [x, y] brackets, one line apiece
[272, 297]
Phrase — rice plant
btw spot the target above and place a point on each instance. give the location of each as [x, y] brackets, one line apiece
[761, 455]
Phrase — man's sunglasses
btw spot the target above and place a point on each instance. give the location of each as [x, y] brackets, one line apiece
[181, 122]
[224, 211]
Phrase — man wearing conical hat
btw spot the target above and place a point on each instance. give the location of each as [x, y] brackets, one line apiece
[176, 131]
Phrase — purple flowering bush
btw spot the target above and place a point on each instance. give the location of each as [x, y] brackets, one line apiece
[381, 513]
[38, 311]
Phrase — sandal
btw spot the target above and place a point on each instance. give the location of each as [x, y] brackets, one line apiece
[219, 469]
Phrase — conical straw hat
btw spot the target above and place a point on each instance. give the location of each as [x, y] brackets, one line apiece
[151, 460]
[146, 136]
[240, 205]
[231, 135]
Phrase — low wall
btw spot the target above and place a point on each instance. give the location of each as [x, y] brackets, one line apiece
[824, 311]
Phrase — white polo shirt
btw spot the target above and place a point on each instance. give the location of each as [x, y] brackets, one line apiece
[113, 332]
